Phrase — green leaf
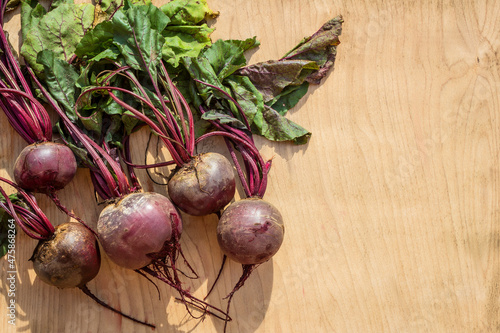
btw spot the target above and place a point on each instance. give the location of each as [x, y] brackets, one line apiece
[127, 4]
[284, 82]
[129, 122]
[113, 133]
[60, 78]
[201, 127]
[216, 64]
[133, 36]
[109, 54]
[224, 118]
[111, 6]
[184, 41]
[104, 9]
[227, 56]
[289, 97]
[201, 69]
[12, 5]
[247, 96]
[137, 34]
[265, 120]
[95, 41]
[31, 14]
[187, 12]
[91, 119]
[109, 106]
[57, 3]
[58, 30]
[273, 126]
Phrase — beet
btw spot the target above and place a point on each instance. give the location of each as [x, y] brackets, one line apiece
[136, 227]
[203, 186]
[45, 167]
[250, 231]
[69, 258]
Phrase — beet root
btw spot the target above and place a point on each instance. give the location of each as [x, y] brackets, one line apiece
[250, 231]
[203, 186]
[69, 259]
[45, 167]
[136, 227]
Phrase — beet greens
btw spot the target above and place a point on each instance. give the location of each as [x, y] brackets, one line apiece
[132, 64]
[266, 90]
[43, 166]
[201, 184]
[111, 184]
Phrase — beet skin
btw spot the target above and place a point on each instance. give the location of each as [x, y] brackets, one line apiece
[137, 226]
[250, 231]
[45, 167]
[203, 186]
[69, 259]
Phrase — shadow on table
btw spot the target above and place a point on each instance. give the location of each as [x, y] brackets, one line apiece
[250, 303]
[248, 306]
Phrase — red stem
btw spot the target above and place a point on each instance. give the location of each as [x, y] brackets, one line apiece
[119, 186]
[17, 124]
[241, 175]
[256, 183]
[253, 158]
[181, 103]
[164, 136]
[55, 198]
[37, 117]
[38, 222]
[127, 157]
[21, 117]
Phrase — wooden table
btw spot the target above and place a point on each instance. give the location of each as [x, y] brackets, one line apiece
[392, 210]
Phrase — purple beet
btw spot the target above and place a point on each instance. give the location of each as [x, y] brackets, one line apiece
[138, 226]
[250, 231]
[141, 232]
[45, 167]
[203, 186]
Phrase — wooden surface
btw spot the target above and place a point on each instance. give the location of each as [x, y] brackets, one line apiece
[392, 210]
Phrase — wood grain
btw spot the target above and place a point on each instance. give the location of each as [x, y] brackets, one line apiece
[392, 210]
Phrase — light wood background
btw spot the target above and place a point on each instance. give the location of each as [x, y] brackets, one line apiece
[392, 210]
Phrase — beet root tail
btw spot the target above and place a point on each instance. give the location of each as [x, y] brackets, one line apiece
[87, 292]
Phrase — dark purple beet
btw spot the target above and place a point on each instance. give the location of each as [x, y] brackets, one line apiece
[137, 225]
[203, 186]
[45, 167]
[250, 231]
[69, 259]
